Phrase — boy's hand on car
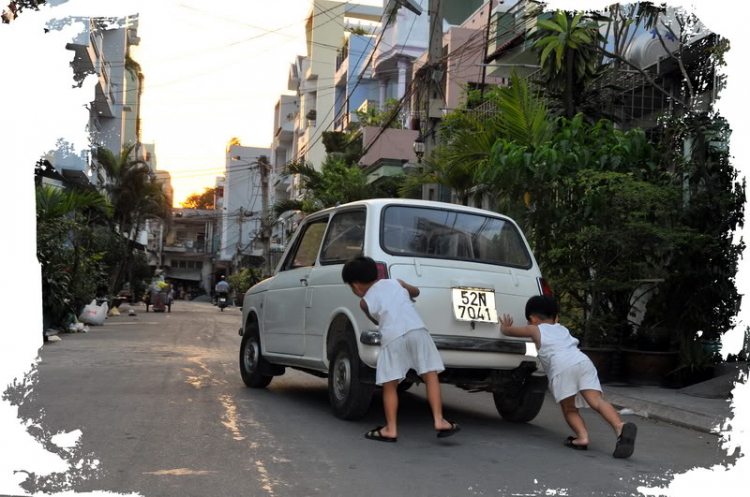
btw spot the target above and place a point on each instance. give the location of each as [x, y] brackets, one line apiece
[506, 322]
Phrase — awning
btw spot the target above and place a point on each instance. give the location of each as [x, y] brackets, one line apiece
[183, 274]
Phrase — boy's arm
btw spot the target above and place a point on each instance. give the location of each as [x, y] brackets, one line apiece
[366, 310]
[530, 331]
[413, 291]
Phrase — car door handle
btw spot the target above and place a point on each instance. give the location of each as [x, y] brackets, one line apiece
[303, 281]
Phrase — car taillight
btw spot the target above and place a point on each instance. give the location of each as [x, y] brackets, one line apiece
[382, 270]
[544, 288]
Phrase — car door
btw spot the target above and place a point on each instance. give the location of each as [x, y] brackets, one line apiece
[285, 301]
[344, 239]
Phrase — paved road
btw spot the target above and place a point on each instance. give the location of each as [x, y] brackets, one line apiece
[162, 407]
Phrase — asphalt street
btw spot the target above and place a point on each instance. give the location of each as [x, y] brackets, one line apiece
[163, 410]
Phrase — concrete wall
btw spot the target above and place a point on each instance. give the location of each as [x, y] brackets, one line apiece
[392, 144]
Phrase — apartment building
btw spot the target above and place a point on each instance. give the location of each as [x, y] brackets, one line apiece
[312, 76]
[242, 205]
[102, 51]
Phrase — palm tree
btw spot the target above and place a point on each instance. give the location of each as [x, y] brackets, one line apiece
[54, 203]
[63, 220]
[135, 195]
[521, 118]
[576, 63]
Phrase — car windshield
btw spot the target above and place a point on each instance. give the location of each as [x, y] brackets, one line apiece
[447, 234]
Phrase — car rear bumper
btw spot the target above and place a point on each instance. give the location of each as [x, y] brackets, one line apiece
[466, 352]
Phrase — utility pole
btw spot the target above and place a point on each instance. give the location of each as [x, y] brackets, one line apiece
[434, 79]
[239, 240]
[264, 224]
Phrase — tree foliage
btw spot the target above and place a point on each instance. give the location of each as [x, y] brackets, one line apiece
[204, 200]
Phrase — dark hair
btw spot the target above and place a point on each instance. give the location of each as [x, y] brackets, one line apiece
[359, 270]
[542, 306]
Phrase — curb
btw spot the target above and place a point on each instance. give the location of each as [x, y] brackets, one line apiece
[679, 417]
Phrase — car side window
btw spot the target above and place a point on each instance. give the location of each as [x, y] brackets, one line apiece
[307, 249]
[345, 238]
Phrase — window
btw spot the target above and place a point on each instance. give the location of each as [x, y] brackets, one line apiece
[307, 249]
[345, 238]
[174, 263]
[446, 234]
[183, 264]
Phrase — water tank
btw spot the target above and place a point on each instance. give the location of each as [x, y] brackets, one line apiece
[646, 49]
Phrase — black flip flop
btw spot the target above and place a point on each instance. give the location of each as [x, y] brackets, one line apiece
[375, 434]
[626, 441]
[455, 428]
[569, 443]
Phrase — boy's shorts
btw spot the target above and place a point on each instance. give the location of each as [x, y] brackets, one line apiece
[570, 382]
[413, 350]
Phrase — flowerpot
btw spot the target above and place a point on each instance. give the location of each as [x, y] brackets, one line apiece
[239, 298]
[602, 359]
[654, 339]
[645, 367]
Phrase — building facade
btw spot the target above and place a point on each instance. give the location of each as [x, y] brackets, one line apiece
[242, 205]
[187, 250]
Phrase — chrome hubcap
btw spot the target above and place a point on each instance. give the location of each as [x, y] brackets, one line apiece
[342, 378]
[251, 356]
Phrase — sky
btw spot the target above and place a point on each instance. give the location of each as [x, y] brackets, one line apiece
[213, 71]
[191, 117]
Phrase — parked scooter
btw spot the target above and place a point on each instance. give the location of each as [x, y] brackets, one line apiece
[222, 300]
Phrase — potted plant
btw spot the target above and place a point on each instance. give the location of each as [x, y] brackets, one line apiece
[696, 364]
[599, 342]
[311, 115]
[241, 283]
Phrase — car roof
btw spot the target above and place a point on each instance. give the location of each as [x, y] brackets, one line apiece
[382, 202]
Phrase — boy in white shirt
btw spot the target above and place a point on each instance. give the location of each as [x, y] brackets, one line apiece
[405, 342]
[572, 376]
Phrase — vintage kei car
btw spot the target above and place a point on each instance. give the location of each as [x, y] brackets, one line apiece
[470, 266]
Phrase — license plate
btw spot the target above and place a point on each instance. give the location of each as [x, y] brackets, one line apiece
[471, 304]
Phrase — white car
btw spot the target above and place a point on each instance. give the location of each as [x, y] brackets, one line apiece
[470, 266]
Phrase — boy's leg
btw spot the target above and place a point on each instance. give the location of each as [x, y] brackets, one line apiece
[390, 405]
[608, 412]
[575, 421]
[430, 379]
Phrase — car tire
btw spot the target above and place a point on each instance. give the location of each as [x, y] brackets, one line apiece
[523, 410]
[404, 386]
[350, 398]
[252, 360]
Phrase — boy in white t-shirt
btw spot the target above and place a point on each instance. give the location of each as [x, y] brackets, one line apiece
[405, 342]
[572, 376]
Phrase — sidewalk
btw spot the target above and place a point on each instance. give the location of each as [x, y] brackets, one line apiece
[692, 407]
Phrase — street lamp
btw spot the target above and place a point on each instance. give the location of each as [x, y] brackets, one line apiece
[419, 147]
[411, 5]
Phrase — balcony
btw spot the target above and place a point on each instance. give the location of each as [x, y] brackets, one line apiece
[510, 41]
[104, 101]
[342, 55]
[186, 247]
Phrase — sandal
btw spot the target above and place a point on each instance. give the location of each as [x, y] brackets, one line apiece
[455, 428]
[375, 434]
[569, 443]
[626, 441]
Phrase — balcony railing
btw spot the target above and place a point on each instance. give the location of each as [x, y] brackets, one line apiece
[342, 55]
[512, 27]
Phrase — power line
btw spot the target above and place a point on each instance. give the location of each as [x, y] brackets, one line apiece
[391, 15]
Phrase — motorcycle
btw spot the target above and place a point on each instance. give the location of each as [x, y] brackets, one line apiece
[222, 301]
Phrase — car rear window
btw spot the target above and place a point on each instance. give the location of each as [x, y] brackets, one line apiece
[448, 234]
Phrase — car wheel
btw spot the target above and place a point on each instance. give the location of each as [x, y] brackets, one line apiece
[251, 359]
[350, 398]
[519, 409]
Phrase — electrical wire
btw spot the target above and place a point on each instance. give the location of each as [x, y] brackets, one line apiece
[308, 146]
